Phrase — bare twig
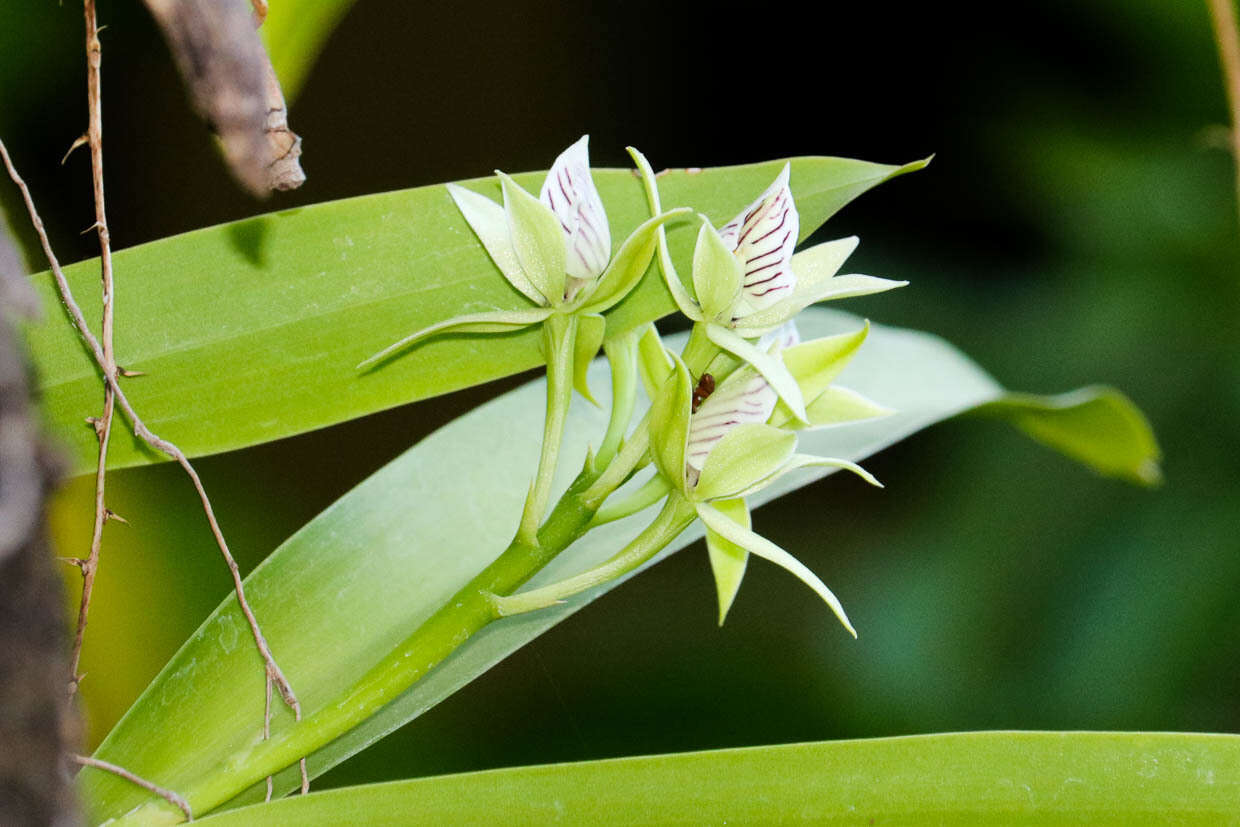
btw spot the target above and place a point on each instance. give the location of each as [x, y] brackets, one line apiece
[167, 795]
[1227, 35]
[103, 426]
[146, 435]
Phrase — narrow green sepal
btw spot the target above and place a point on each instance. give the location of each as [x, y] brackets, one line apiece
[629, 264]
[669, 425]
[838, 406]
[772, 368]
[590, 330]
[816, 363]
[489, 222]
[715, 520]
[797, 461]
[717, 275]
[670, 277]
[499, 321]
[653, 361]
[653, 490]
[727, 559]
[537, 239]
[747, 455]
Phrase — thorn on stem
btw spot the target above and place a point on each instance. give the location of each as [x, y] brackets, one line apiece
[109, 514]
[74, 561]
[127, 373]
[80, 141]
[90, 229]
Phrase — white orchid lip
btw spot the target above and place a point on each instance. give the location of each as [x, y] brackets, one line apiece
[763, 236]
[732, 404]
[570, 193]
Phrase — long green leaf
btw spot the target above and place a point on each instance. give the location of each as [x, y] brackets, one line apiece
[251, 331]
[295, 32]
[352, 583]
[961, 778]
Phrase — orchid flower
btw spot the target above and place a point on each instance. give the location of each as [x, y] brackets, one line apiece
[555, 250]
[740, 440]
[747, 282]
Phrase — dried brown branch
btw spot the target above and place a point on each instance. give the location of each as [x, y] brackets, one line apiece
[146, 435]
[233, 85]
[167, 795]
[37, 724]
[1227, 35]
[103, 425]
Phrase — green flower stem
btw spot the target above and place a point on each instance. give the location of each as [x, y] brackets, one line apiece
[675, 517]
[460, 617]
[622, 357]
[655, 489]
[559, 339]
[634, 454]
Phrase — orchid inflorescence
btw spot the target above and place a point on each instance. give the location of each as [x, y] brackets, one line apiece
[724, 413]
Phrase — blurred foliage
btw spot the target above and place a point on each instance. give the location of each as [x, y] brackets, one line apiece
[1075, 227]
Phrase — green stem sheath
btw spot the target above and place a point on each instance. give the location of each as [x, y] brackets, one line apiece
[559, 341]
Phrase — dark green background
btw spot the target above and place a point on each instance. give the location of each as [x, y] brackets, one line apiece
[1077, 225]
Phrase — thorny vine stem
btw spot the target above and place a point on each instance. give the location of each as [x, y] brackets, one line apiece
[103, 425]
[167, 795]
[146, 435]
[1227, 35]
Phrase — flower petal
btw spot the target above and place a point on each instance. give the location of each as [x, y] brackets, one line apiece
[763, 236]
[499, 321]
[716, 275]
[839, 406]
[715, 520]
[537, 240]
[630, 263]
[670, 277]
[809, 461]
[487, 220]
[669, 424]
[747, 455]
[771, 367]
[744, 397]
[727, 559]
[590, 330]
[570, 193]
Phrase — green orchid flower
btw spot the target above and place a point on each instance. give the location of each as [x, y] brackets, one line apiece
[556, 251]
[710, 456]
[747, 282]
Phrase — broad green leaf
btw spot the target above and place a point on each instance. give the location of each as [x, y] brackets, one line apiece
[251, 331]
[351, 584]
[727, 559]
[1097, 426]
[746, 454]
[960, 778]
[295, 31]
